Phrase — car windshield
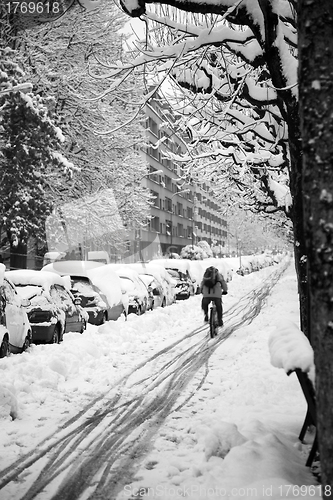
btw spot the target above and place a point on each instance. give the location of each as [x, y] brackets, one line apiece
[29, 291]
[147, 279]
[127, 284]
[175, 274]
[35, 295]
[83, 287]
[89, 296]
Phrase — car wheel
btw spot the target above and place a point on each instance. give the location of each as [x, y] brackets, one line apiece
[56, 336]
[84, 327]
[27, 342]
[104, 318]
[164, 302]
[138, 311]
[4, 348]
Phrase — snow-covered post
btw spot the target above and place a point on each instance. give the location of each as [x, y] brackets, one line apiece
[291, 350]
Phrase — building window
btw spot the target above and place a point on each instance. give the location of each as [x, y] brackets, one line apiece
[152, 125]
[156, 199]
[168, 182]
[152, 176]
[168, 204]
[180, 230]
[153, 151]
[155, 224]
[180, 209]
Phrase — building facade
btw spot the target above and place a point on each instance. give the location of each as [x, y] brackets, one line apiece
[182, 213]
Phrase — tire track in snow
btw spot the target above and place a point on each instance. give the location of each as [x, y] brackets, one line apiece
[95, 453]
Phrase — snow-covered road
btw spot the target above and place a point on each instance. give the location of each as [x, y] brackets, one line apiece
[92, 412]
[97, 451]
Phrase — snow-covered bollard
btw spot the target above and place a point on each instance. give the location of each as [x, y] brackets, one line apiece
[291, 350]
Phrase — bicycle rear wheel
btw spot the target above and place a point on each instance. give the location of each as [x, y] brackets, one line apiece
[213, 322]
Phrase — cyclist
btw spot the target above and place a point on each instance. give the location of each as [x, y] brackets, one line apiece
[212, 290]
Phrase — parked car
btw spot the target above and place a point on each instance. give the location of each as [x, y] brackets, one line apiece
[155, 289]
[52, 257]
[52, 309]
[91, 299]
[138, 294]
[162, 277]
[15, 329]
[99, 256]
[184, 273]
[97, 286]
[183, 290]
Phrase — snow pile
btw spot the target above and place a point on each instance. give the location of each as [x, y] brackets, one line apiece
[290, 349]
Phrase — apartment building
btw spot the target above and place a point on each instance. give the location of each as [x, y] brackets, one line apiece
[183, 213]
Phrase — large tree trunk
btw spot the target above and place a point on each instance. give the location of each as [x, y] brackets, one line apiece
[316, 112]
[297, 215]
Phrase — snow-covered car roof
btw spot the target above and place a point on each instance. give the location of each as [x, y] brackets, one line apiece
[180, 264]
[156, 269]
[36, 278]
[72, 267]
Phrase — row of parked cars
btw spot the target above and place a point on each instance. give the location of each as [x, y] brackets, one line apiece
[41, 306]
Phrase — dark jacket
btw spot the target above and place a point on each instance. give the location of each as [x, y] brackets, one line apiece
[221, 288]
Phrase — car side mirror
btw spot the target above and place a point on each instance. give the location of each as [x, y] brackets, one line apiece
[25, 302]
[77, 301]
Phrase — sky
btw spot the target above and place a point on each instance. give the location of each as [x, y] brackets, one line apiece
[185, 416]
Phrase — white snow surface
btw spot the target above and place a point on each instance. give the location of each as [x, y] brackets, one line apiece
[235, 437]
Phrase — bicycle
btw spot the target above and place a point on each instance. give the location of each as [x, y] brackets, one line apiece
[213, 321]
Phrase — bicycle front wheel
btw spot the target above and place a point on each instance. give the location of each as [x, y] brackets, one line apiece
[213, 322]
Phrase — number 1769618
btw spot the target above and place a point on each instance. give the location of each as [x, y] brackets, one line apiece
[35, 8]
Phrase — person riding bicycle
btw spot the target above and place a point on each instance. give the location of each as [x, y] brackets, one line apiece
[213, 286]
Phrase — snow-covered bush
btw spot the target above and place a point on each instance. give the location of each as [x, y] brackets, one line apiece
[192, 252]
[206, 248]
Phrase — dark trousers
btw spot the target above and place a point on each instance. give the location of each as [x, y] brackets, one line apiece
[218, 301]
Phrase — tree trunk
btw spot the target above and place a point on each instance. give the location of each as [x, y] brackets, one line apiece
[297, 215]
[316, 112]
[18, 256]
